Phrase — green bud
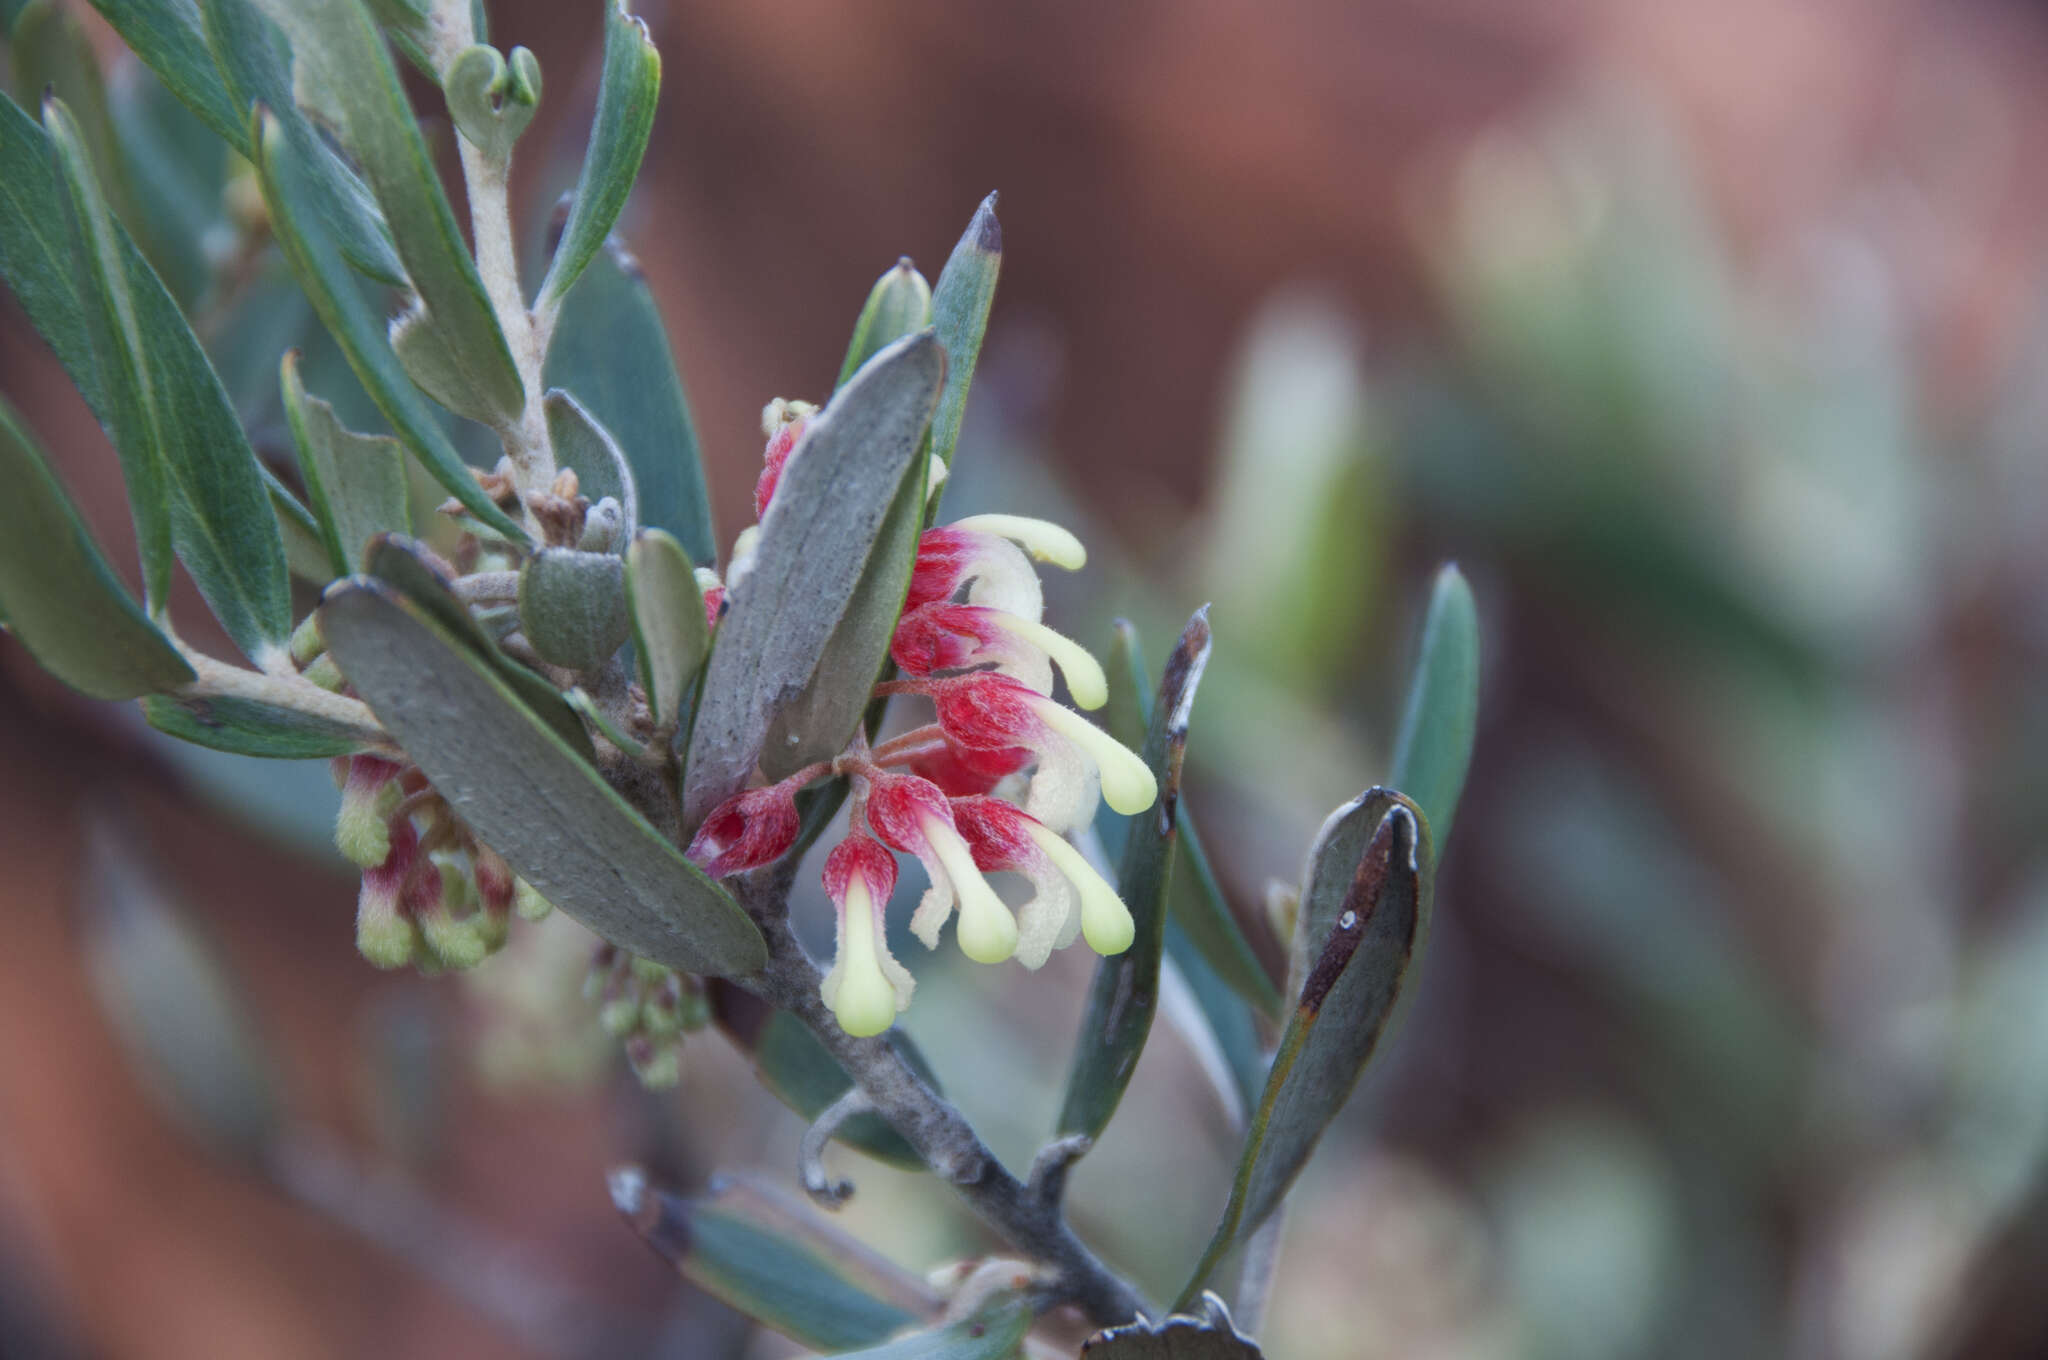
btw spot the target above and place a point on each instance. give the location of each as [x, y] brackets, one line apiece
[657, 1062]
[530, 905]
[490, 100]
[307, 643]
[324, 673]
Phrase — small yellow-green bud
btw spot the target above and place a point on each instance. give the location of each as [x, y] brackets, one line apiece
[530, 905]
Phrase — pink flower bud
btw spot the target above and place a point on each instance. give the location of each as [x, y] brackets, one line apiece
[783, 422]
[747, 830]
[385, 933]
[495, 885]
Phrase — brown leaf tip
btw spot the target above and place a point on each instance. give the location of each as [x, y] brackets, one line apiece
[988, 232]
[661, 1219]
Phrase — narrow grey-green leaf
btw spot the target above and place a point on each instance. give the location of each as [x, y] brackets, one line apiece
[960, 307]
[409, 567]
[444, 370]
[1223, 1011]
[801, 1072]
[167, 35]
[356, 481]
[173, 421]
[1365, 910]
[1223, 1016]
[177, 181]
[1125, 993]
[817, 724]
[250, 727]
[527, 794]
[305, 550]
[610, 351]
[1435, 743]
[1195, 899]
[357, 324]
[342, 74]
[586, 448]
[618, 138]
[820, 530]
[993, 1331]
[572, 606]
[769, 1259]
[254, 59]
[57, 593]
[52, 57]
[172, 1003]
[1214, 929]
[899, 304]
[671, 636]
[37, 261]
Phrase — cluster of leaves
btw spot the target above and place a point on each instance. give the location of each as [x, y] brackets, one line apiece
[282, 128]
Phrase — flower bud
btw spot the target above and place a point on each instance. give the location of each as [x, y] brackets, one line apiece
[747, 830]
[385, 933]
[369, 796]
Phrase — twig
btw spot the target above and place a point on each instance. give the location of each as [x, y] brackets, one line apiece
[810, 1157]
[1048, 1179]
[939, 1132]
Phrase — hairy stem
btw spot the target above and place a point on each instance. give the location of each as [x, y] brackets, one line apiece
[219, 680]
[941, 1134]
[487, 180]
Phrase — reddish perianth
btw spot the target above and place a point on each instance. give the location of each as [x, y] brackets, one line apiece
[780, 445]
[943, 558]
[961, 772]
[385, 933]
[747, 830]
[987, 712]
[714, 604]
[994, 831]
[897, 806]
[941, 637]
[863, 856]
[495, 884]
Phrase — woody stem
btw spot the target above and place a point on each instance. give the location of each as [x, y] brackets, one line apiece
[1031, 1222]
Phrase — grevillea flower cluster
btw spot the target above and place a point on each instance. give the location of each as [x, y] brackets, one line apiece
[971, 641]
[432, 894]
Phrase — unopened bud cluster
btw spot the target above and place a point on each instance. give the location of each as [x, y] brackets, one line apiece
[647, 1008]
[432, 895]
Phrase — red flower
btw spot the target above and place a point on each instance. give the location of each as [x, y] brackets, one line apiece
[961, 772]
[986, 712]
[913, 815]
[946, 637]
[1071, 897]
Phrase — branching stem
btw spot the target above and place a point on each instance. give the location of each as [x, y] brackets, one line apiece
[939, 1132]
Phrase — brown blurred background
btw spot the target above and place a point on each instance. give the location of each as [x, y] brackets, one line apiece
[1708, 338]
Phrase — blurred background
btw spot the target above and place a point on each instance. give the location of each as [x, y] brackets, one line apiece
[1708, 339]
